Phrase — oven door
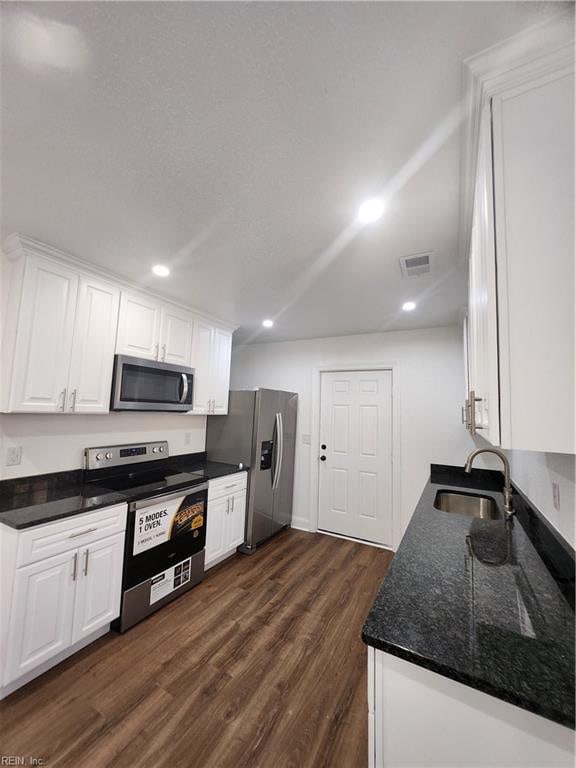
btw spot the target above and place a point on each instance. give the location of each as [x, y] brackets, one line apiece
[162, 531]
[145, 385]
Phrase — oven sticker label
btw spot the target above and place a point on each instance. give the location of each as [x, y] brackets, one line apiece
[168, 581]
[159, 523]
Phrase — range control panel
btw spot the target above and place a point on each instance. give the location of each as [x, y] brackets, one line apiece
[119, 455]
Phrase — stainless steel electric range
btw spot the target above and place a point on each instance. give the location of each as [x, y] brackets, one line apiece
[166, 528]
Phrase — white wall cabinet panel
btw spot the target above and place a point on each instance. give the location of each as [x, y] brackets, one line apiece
[93, 347]
[44, 337]
[62, 325]
[521, 334]
[176, 336]
[221, 370]
[41, 623]
[483, 412]
[139, 326]
[99, 588]
[534, 196]
[211, 359]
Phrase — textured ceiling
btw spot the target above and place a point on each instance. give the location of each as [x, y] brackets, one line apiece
[235, 141]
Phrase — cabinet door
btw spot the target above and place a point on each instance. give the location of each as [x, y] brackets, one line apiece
[202, 363]
[176, 336]
[40, 624]
[93, 347]
[534, 207]
[236, 520]
[216, 527]
[99, 585]
[221, 354]
[483, 327]
[139, 326]
[44, 337]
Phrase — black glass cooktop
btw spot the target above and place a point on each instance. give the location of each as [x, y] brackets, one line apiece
[148, 483]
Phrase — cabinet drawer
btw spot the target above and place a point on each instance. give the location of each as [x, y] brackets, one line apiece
[227, 485]
[53, 538]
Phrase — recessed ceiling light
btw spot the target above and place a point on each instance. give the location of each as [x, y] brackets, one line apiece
[371, 210]
[408, 306]
[160, 270]
[267, 323]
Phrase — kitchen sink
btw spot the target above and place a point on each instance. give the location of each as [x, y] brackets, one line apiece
[467, 504]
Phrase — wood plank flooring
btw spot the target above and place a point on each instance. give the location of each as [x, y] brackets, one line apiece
[260, 666]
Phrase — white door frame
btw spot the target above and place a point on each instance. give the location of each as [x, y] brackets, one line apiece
[317, 372]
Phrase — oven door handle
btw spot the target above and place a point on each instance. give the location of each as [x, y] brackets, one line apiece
[184, 387]
[142, 503]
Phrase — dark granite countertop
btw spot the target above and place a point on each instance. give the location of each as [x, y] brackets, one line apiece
[39, 499]
[506, 629]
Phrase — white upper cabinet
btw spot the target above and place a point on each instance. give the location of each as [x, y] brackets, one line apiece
[62, 325]
[211, 356]
[93, 347]
[202, 363]
[139, 326]
[44, 332]
[176, 335]
[221, 370]
[521, 339]
[534, 208]
[482, 409]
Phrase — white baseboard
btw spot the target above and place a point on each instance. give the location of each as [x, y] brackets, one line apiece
[356, 541]
[300, 524]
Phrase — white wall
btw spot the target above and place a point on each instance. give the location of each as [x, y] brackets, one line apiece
[53, 442]
[431, 394]
[534, 474]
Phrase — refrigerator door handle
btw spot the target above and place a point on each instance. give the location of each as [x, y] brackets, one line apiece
[279, 451]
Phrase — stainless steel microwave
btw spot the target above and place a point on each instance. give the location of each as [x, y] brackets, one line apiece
[146, 385]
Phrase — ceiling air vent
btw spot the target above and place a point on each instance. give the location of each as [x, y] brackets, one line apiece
[417, 264]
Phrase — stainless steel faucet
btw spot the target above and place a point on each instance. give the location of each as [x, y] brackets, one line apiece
[507, 490]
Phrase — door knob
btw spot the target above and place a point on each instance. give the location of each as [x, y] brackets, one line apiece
[322, 458]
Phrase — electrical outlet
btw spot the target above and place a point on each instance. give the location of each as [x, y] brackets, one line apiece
[306, 439]
[556, 495]
[13, 455]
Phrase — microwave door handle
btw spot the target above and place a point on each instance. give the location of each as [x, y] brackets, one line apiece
[184, 387]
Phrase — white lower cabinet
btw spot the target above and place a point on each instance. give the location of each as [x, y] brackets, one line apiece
[49, 606]
[226, 517]
[420, 718]
[98, 589]
[41, 621]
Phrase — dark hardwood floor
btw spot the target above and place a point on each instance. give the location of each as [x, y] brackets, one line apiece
[261, 666]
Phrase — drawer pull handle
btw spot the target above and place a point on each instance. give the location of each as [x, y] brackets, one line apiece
[86, 555]
[82, 533]
[75, 570]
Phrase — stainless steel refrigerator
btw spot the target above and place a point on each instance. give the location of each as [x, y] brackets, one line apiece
[260, 432]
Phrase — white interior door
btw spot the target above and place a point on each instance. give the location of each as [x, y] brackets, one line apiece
[355, 492]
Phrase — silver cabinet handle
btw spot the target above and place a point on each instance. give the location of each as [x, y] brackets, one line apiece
[64, 393]
[232, 504]
[82, 533]
[156, 350]
[75, 568]
[473, 427]
[74, 396]
[228, 505]
[86, 554]
[184, 387]
[208, 406]
[163, 352]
